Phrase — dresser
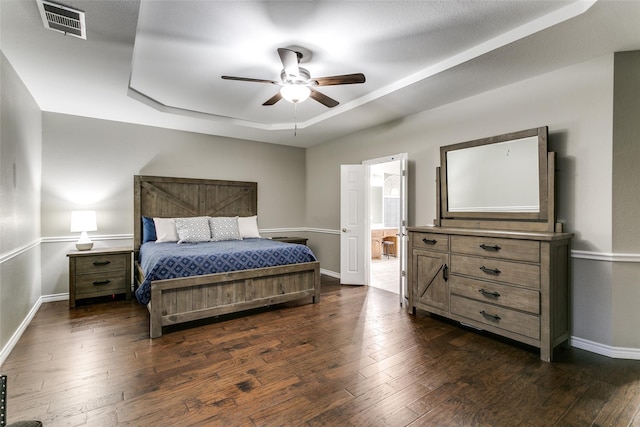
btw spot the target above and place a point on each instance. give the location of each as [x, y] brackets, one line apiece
[513, 284]
[99, 272]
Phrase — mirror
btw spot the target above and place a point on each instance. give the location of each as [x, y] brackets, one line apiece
[489, 191]
[502, 177]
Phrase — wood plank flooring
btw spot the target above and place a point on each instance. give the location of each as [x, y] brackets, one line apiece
[354, 359]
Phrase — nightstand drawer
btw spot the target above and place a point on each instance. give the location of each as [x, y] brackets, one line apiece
[88, 285]
[101, 263]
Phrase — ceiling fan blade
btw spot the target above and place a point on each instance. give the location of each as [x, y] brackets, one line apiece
[323, 99]
[275, 98]
[346, 79]
[289, 60]
[248, 79]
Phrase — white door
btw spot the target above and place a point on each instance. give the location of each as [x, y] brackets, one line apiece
[352, 224]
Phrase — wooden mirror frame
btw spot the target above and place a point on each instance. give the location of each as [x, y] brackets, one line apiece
[543, 220]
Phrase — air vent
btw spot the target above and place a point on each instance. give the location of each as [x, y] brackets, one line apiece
[62, 18]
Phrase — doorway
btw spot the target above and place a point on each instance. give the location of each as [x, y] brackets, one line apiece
[373, 218]
[386, 207]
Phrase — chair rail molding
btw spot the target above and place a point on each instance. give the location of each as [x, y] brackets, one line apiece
[605, 256]
[6, 256]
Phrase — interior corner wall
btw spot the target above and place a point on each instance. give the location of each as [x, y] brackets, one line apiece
[626, 198]
[576, 103]
[90, 164]
[20, 173]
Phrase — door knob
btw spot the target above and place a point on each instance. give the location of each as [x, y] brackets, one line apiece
[344, 230]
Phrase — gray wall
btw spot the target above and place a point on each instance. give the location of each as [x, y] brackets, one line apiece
[90, 163]
[577, 104]
[20, 169]
[626, 195]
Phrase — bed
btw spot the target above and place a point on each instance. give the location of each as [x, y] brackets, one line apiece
[185, 299]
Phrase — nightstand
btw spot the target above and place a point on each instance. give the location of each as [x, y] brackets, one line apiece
[99, 272]
[298, 240]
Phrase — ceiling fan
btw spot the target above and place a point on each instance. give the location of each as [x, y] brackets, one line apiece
[297, 84]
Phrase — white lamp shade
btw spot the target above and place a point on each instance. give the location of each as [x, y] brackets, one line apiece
[295, 92]
[83, 221]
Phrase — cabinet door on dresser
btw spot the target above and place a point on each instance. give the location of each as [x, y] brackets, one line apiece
[431, 287]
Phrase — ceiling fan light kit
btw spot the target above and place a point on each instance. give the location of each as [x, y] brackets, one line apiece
[296, 82]
[295, 92]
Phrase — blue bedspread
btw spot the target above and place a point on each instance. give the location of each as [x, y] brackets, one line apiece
[171, 260]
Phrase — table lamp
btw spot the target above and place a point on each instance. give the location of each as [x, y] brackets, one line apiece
[83, 221]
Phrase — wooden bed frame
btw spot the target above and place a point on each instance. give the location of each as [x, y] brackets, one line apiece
[175, 301]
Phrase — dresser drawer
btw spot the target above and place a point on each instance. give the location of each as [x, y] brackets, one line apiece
[430, 241]
[516, 250]
[527, 275]
[494, 293]
[517, 322]
[101, 263]
[100, 284]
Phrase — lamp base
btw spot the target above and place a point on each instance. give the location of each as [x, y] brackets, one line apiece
[84, 246]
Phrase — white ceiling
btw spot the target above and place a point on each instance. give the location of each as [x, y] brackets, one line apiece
[159, 62]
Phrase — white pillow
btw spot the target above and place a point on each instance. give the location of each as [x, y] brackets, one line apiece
[224, 228]
[193, 229]
[248, 226]
[166, 230]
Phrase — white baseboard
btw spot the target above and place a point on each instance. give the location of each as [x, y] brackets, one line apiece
[55, 297]
[330, 273]
[4, 353]
[606, 350]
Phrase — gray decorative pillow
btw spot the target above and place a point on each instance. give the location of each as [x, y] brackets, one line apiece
[194, 229]
[224, 228]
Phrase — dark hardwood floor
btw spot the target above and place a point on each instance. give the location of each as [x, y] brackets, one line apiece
[356, 358]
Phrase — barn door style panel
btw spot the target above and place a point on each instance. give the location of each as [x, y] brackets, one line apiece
[432, 286]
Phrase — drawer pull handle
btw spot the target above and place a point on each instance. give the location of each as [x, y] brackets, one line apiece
[490, 316]
[489, 294]
[429, 242]
[445, 272]
[97, 263]
[101, 282]
[494, 248]
[494, 271]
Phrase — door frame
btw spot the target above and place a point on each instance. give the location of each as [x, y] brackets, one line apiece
[402, 235]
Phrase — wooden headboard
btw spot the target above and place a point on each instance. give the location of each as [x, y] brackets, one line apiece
[166, 197]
